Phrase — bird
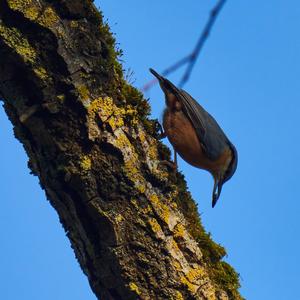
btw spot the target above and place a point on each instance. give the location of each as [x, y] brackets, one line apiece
[196, 136]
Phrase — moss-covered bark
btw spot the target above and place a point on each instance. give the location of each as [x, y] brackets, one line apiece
[133, 225]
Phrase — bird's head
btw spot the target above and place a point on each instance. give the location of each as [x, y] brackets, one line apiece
[167, 86]
[224, 175]
[169, 90]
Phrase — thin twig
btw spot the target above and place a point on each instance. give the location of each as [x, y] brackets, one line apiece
[191, 58]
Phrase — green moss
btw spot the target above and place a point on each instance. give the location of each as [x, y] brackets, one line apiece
[134, 108]
[135, 98]
[132, 97]
[105, 32]
[136, 104]
[223, 274]
[226, 277]
[213, 252]
[113, 54]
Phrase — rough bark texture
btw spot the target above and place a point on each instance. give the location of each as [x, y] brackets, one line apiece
[132, 224]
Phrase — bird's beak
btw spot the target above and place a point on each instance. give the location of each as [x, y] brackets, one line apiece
[160, 79]
[216, 191]
[156, 74]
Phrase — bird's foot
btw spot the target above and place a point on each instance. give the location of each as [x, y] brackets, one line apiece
[170, 164]
[159, 131]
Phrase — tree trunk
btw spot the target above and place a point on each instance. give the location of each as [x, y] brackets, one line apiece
[132, 224]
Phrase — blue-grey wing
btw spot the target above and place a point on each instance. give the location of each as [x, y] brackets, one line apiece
[210, 134]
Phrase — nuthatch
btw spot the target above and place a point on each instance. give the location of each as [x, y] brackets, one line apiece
[196, 136]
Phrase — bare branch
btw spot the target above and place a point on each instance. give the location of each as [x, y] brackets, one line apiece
[191, 58]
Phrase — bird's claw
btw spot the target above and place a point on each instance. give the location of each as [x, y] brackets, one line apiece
[172, 165]
[159, 130]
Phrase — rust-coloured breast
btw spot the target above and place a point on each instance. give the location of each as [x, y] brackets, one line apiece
[185, 141]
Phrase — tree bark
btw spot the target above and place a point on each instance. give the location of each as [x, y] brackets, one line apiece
[132, 224]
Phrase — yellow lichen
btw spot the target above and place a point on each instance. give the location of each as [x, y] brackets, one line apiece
[41, 73]
[154, 225]
[132, 113]
[177, 265]
[134, 202]
[162, 209]
[115, 121]
[152, 152]
[142, 258]
[94, 106]
[134, 288]
[111, 113]
[178, 296]
[174, 205]
[14, 39]
[151, 145]
[175, 246]
[83, 92]
[60, 32]
[195, 274]
[73, 24]
[131, 161]
[86, 163]
[192, 278]
[119, 218]
[61, 97]
[18, 4]
[31, 12]
[49, 17]
[191, 287]
[179, 231]
[84, 75]
[133, 173]
[147, 209]
[142, 136]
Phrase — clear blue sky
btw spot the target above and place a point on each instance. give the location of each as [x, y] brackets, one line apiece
[248, 77]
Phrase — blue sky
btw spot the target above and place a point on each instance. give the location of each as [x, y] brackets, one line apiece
[248, 78]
